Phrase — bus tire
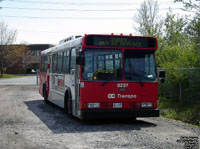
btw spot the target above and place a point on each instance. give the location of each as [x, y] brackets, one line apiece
[68, 104]
[45, 94]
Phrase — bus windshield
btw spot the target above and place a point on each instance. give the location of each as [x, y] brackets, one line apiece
[103, 64]
[107, 65]
[140, 65]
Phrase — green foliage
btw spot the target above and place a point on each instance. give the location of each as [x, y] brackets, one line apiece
[193, 30]
[176, 60]
[176, 51]
[7, 76]
[174, 30]
[173, 57]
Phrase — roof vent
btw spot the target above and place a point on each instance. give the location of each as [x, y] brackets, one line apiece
[66, 39]
[69, 38]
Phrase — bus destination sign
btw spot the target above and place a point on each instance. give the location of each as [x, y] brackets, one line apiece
[121, 41]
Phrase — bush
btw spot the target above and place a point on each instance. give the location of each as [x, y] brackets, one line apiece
[185, 111]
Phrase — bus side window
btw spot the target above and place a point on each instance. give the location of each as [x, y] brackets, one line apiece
[41, 64]
[73, 58]
[54, 63]
[45, 64]
[59, 65]
[65, 66]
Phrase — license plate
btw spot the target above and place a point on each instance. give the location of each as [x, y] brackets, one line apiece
[117, 105]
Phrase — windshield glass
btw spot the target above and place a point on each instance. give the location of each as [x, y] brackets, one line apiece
[140, 65]
[103, 64]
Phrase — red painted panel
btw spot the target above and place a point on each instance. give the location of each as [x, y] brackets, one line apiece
[128, 93]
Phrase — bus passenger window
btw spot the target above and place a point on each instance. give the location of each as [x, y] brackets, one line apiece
[59, 62]
[54, 63]
[65, 67]
[73, 58]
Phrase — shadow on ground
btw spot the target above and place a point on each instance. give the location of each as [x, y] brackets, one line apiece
[57, 120]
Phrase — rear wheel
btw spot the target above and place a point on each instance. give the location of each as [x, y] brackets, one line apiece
[45, 94]
[45, 97]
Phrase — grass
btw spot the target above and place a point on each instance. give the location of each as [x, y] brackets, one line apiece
[185, 111]
[7, 76]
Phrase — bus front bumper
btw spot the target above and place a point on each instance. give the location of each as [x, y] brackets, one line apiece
[118, 113]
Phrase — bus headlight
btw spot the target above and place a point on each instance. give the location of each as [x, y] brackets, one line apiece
[93, 105]
[146, 105]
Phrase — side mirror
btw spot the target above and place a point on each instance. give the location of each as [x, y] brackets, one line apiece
[80, 60]
[162, 74]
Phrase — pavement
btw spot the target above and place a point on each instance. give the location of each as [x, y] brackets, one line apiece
[27, 80]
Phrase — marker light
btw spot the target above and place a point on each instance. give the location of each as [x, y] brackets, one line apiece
[93, 105]
[146, 105]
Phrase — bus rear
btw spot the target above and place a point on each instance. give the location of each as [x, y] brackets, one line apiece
[118, 77]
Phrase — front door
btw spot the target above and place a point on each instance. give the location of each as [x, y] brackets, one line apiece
[74, 82]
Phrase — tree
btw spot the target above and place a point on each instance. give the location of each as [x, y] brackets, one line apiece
[9, 55]
[14, 54]
[174, 30]
[148, 20]
[193, 28]
[176, 61]
[173, 36]
[191, 5]
[193, 31]
[178, 58]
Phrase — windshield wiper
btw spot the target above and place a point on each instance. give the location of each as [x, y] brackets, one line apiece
[104, 83]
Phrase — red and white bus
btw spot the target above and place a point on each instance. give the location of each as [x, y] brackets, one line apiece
[102, 76]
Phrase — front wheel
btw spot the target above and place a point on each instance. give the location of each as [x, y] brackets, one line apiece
[68, 106]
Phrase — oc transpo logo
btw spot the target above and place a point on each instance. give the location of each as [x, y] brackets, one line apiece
[111, 96]
[122, 96]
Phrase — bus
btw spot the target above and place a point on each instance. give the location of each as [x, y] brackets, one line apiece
[101, 76]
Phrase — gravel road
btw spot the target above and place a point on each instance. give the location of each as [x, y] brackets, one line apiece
[26, 122]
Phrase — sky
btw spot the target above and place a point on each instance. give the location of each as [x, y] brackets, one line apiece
[49, 21]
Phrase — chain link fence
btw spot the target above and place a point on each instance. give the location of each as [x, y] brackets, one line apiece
[182, 84]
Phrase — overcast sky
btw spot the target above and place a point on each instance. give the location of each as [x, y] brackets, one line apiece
[49, 21]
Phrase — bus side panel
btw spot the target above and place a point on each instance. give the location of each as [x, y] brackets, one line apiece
[56, 89]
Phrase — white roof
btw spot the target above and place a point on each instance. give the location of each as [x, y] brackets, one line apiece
[63, 46]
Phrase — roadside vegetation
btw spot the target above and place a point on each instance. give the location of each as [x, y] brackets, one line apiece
[185, 111]
[7, 76]
[178, 54]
